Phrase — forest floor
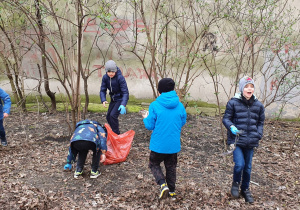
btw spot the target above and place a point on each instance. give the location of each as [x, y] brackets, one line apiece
[32, 175]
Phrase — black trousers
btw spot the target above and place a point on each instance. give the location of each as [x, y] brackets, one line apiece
[2, 131]
[170, 162]
[82, 148]
[112, 116]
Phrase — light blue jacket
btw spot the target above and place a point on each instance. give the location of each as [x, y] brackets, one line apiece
[166, 117]
[5, 103]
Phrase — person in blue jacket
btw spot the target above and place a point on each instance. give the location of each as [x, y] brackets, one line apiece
[244, 113]
[115, 82]
[5, 104]
[88, 135]
[166, 117]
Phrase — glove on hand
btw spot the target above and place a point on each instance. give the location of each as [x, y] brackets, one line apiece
[231, 147]
[234, 130]
[122, 109]
[68, 166]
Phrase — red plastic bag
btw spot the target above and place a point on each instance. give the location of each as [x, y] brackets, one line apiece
[118, 146]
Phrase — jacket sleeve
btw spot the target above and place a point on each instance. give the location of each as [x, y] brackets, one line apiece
[150, 120]
[103, 90]
[261, 120]
[102, 136]
[124, 90]
[6, 100]
[183, 116]
[71, 156]
[228, 116]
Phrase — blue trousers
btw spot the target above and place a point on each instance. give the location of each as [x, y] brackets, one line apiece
[242, 157]
[112, 116]
[2, 131]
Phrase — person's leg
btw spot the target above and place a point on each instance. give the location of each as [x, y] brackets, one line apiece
[248, 155]
[2, 134]
[238, 159]
[96, 158]
[112, 116]
[154, 165]
[82, 148]
[245, 191]
[170, 165]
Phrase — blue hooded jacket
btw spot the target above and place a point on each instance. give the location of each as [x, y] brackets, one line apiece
[249, 118]
[5, 103]
[166, 117]
[88, 130]
[117, 87]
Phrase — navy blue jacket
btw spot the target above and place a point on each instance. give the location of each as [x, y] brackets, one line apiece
[88, 130]
[117, 87]
[250, 119]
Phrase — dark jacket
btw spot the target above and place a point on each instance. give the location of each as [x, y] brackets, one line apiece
[117, 87]
[88, 130]
[247, 117]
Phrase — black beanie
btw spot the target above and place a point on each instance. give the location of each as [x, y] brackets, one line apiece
[165, 85]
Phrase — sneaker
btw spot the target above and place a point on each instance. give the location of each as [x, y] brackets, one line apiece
[94, 175]
[3, 142]
[235, 189]
[247, 195]
[77, 174]
[172, 196]
[164, 191]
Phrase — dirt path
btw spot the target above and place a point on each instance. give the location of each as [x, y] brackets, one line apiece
[32, 176]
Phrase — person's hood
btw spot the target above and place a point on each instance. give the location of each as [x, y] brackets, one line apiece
[239, 96]
[168, 99]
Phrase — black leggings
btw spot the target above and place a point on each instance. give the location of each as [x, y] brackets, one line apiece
[82, 147]
[170, 162]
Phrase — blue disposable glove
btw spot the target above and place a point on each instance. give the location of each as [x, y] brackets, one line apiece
[122, 109]
[234, 130]
[68, 166]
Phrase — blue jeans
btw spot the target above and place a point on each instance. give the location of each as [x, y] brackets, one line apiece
[2, 131]
[242, 157]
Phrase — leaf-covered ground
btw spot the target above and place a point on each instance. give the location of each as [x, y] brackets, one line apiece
[32, 175]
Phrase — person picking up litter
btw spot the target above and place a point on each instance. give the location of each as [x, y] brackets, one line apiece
[244, 112]
[115, 82]
[166, 117]
[88, 135]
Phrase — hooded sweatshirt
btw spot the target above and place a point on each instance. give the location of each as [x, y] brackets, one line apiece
[166, 117]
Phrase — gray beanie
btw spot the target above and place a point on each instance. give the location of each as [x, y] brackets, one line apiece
[111, 66]
[244, 81]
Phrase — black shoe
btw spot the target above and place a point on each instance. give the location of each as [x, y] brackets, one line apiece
[247, 195]
[235, 189]
[164, 191]
[172, 196]
[3, 142]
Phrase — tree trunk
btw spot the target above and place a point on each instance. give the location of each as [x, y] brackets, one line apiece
[42, 45]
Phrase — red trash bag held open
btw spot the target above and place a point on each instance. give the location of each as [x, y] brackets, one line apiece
[118, 146]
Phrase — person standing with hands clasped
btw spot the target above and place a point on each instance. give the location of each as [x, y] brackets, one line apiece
[244, 113]
[5, 104]
[166, 117]
[115, 82]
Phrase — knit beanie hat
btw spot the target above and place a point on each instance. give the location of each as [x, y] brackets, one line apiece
[244, 81]
[111, 66]
[165, 85]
